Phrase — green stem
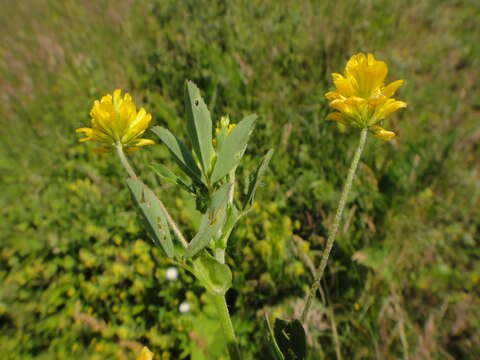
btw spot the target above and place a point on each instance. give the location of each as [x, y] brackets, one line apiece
[231, 178]
[124, 161]
[220, 250]
[222, 309]
[336, 224]
[131, 173]
[220, 255]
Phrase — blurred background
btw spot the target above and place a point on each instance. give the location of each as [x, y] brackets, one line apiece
[80, 279]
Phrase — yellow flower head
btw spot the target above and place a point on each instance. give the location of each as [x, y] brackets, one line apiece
[115, 120]
[361, 98]
[223, 129]
[224, 124]
[146, 354]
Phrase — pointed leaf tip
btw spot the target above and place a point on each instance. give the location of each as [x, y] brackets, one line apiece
[181, 154]
[257, 176]
[199, 125]
[233, 148]
[291, 339]
[152, 215]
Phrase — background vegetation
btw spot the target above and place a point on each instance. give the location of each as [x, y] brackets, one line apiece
[81, 281]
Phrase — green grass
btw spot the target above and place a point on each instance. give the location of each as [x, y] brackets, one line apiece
[80, 279]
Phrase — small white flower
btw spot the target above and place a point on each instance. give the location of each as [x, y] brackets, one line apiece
[184, 307]
[171, 273]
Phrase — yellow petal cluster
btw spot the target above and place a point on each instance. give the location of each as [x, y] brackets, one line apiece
[224, 124]
[229, 129]
[222, 130]
[115, 120]
[145, 354]
[361, 98]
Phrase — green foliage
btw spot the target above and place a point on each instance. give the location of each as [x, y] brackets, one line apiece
[232, 148]
[287, 340]
[208, 340]
[290, 337]
[199, 125]
[212, 221]
[403, 277]
[180, 152]
[215, 277]
[166, 174]
[257, 177]
[153, 214]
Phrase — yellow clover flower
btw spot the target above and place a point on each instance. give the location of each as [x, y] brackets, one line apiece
[146, 354]
[224, 124]
[360, 96]
[115, 120]
[223, 129]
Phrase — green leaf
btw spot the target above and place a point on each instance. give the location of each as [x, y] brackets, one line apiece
[202, 238]
[166, 174]
[152, 214]
[233, 147]
[210, 342]
[181, 154]
[214, 276]
[272, 343]
[233, 215]
[220, 198]
[221, 136]
[291, 339]
[136, 189]
[212, 221]
[199, 125]
[257, 176]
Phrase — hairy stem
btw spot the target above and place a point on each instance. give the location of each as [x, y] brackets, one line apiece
[131, 173]
[124, 161]
[336, 223]
[222, 309]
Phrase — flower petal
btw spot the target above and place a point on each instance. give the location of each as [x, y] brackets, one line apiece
[389, 107]
[333, 95]
[140, 124]
[381, 133]
[127, 97]
[85, 130]
[102, 150]
[344, 86]
[366, 73]
[338, 117]
[88, 132]
[130, 150]
[339, 105]
[391, 88]
[142, 142]
[377, 100]
[117, 95]
[106, 99]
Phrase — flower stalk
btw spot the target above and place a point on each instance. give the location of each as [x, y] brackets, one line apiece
[336, 223]
[124, 161]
